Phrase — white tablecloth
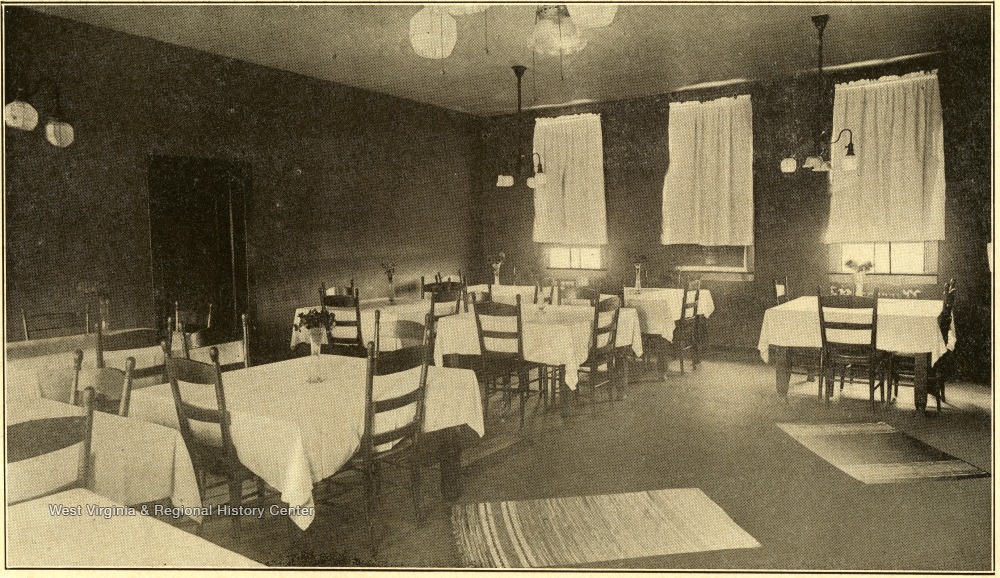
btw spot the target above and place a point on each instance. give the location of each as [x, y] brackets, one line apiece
[36, 538]
[660, 308]
[553, 335]
[405, 310]
[292, 433]
[134, 461]
[904, 325]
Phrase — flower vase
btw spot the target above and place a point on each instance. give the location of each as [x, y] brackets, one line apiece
[638, 278]
[859, 284]
[392, 292]
[496, 276]
[315, 344]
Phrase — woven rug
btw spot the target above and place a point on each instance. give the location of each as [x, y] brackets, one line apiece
[561, 532]
[875, 453]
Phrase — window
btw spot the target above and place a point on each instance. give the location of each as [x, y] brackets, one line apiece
[886, 258]
[708, 188]
[574, 257]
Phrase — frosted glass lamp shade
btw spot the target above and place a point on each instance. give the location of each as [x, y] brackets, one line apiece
[850, 163]
[59, 133]
[549, 40]
[541, 179]
[788, 165]
[20, 115]
[531, 182]
[505, 181]
[812, 162]
[593, 15]
[433, 33]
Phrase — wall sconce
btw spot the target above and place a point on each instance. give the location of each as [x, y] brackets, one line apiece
[20, 114]
[539, 178]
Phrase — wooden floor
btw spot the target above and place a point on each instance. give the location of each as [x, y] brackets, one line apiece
[713, 429]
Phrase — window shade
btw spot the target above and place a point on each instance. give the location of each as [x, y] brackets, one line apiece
[897, 192]
[708, 188]
[569, 207]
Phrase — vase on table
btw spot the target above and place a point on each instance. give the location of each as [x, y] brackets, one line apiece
[392, 292]
[315, 344]
[859, 284]
[638, 278]
[496, 273]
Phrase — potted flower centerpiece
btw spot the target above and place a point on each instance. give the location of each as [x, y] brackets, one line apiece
[496, 263]
[390, 270]
[860, 269]
[317, 322]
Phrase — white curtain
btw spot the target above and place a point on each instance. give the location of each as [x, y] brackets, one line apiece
[897, 191]
[708, 189]
[569, 207]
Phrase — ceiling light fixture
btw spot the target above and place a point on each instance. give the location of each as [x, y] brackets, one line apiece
[817, 161]
[20, 114]
[433, 32]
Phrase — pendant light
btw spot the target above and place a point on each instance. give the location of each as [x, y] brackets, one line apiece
[433, 32]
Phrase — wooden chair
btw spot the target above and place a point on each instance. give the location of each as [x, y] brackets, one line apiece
[29, 473]
[55, 324]
[687, 329]
[843, 353]
[210, 456]
[548, 291]
[339, 342]
[446, 302]
[191, 320]
[780, 290]
[130, 339]
[603, 352]
[498, 364]
[112, 387]
[441, 284]
[216, 336]
[902, 366]
[576, 295]
[397, 445]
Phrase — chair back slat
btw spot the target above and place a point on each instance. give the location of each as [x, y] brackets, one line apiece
[345, 306]
[689, 303]
[447, 301]
[217, 336]
[55, 324]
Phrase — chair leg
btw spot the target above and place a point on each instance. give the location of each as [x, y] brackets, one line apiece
[369, 481]
[235, 498]
[415, 484]
[522, 378]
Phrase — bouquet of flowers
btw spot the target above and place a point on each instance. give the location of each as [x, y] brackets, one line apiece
[858, 267]
[390, 269]
[315, 319]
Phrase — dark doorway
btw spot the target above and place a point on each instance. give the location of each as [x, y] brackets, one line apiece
[197, 213]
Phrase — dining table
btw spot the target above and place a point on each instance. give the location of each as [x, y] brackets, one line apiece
[905, 327]
[85, 529]
[293, 432]
[504, 293]
[134, 461]
[660, 308]
[554, 335]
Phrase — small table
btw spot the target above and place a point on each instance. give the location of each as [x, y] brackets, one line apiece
[659, 308]
[292, 433]
[89, 538]
[556, 335]
[134, 461]
[906, 326]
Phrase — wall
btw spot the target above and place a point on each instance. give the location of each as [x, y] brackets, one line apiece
[790, 210]
[343, 179]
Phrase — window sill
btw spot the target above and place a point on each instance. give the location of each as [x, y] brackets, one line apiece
[573, 269]
[718, 272]
[901, 278]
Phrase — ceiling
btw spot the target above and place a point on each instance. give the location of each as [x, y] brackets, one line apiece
[648, 49]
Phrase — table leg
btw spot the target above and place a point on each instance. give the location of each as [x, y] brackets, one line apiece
[921, 365]
[782, 368]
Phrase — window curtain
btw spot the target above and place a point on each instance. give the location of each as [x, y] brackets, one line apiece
[569, 207]
[897, 191]
[708, 189]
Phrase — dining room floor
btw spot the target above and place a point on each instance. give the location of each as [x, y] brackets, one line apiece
[713, 429]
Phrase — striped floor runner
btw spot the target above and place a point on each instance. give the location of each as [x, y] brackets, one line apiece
[876, 453]
[560, 532]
